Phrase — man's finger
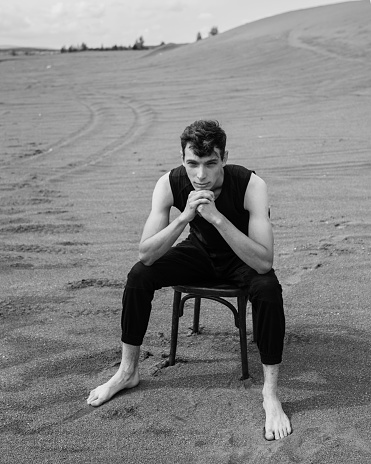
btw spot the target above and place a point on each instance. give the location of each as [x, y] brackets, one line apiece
[204, 194]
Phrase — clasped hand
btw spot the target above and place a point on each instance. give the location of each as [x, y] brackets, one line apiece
[201, 202]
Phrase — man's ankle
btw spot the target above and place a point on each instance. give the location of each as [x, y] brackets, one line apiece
[269, 392]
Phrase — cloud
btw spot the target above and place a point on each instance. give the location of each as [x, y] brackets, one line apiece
[203, 16]
[161, 7]
[50, 23]
[176, 6]
[57, 10]
[87, 10]
[11, 19]
[80, 10]
[75, 18]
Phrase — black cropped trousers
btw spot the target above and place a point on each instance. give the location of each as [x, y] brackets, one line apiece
[187, 263]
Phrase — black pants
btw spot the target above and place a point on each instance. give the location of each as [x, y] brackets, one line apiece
[189, 263]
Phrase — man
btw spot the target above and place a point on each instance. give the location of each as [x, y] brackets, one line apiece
[230, 238]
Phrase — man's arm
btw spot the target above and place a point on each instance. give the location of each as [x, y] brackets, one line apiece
[159, 234]
[256, 250]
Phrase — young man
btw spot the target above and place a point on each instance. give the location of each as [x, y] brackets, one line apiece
[230, 238]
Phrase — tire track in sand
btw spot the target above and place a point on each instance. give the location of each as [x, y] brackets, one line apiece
[112, 123]
[104, 125]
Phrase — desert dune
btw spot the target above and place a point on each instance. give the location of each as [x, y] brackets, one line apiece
[84, 137]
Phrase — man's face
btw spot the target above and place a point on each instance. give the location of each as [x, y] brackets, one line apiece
[205, 173]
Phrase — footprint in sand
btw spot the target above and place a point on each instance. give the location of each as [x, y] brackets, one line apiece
[297, 277]
[308, 443]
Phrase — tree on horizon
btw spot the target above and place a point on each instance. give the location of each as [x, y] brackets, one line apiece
[213, 31]
[139, 44]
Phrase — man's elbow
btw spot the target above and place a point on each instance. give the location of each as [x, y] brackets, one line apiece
[143, 256]
[265, 267]
[145, 259]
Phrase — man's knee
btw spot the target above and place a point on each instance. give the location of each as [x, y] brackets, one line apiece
[266, 287]
[140, 276]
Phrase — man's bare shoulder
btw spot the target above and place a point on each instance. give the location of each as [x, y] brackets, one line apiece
[256, 182]
[163, 183]
[162, 194]
[256, 193]
[164, 179]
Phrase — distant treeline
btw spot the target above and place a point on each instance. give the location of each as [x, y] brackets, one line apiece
[138, 45]
[15, 51]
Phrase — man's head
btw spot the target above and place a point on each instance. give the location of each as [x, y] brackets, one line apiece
[204, 154]
[203, 137]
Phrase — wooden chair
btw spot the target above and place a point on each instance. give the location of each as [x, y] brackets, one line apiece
[216, 292]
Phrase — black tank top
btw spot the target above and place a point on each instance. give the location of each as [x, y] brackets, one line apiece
[230, 203]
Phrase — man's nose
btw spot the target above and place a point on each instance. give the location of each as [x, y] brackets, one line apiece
[201, 174]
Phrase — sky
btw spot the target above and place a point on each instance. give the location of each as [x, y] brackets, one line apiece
[58, 23]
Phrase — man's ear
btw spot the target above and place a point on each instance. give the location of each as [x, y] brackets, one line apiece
[225, 158]
[182, 156]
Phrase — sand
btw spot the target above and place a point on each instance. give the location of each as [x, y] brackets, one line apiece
[84, 138]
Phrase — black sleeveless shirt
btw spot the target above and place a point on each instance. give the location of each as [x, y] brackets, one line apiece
[230, 203]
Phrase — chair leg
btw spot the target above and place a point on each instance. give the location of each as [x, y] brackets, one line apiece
[241, 303]
[254, 332]
[196, 315]
[174, 327]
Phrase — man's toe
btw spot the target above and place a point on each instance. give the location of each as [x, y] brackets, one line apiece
[96, 402]
[91, 397]
[268, 435]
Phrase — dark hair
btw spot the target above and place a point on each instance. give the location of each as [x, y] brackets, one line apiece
[203, 137]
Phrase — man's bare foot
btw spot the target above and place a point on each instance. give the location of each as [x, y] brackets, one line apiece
[277, 424]
[116, 383]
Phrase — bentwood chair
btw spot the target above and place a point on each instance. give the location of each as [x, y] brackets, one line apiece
[216, 292]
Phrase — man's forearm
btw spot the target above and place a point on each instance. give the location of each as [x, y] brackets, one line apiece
[252, 253]
[156, 246]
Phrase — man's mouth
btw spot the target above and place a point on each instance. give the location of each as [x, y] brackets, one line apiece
[201, 186]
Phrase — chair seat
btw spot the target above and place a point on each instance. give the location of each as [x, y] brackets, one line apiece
[212, 289]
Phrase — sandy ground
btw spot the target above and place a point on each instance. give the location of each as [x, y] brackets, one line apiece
[84, 138]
